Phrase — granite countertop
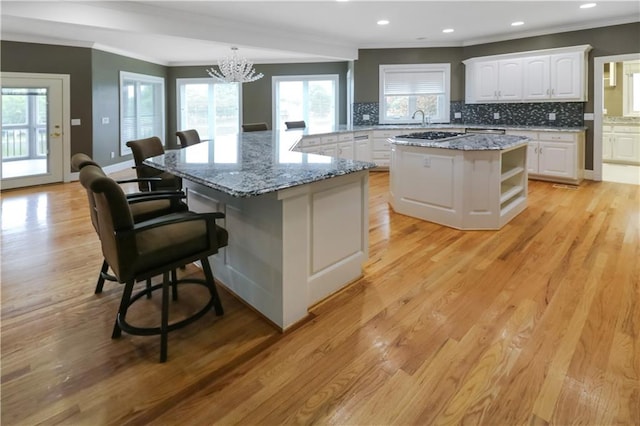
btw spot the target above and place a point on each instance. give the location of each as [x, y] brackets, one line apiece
[471, 142]
[325, 130]
[254, 163]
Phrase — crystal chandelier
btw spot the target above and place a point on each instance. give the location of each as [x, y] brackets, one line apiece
[234, 69]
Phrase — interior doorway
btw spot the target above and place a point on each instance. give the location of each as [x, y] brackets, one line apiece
[617, 119]
[35, 129]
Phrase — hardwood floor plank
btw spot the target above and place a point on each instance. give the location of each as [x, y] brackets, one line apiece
[537, 323]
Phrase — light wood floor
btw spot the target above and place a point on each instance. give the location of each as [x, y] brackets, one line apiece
[538, 323]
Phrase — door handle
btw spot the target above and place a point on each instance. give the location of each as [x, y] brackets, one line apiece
[55, 134]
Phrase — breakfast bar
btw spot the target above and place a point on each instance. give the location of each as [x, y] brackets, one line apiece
[298, 223]
[461, 180]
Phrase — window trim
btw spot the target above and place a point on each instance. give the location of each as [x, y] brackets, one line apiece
[141, 78]
[384, 68]
[313, 77]
[201, 80]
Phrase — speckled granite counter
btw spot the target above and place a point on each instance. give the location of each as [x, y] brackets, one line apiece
[471, 142]
[254, 163]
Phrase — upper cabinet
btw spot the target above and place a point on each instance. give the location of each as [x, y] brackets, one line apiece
[552, 75]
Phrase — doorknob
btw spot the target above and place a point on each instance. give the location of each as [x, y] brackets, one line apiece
[55, 134]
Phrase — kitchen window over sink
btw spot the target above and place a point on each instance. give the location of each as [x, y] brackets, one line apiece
[404, 89]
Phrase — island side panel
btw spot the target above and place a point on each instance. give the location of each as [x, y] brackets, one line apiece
[337, 233]
[251, 265]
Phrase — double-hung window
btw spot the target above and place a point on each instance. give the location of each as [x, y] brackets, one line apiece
[141, 108]
[312, 98]
[210, 107]
[405, 89]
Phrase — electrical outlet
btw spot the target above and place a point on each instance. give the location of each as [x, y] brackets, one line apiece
[496, 115]
[365, 117]
[457, 115]
[113, 155]
[552, 116]
[105, 120]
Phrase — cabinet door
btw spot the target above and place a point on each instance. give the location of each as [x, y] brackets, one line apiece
[345, 150]
[330, 150]
[607, 146]
[626, 147]
[510, 80]
[486, 81]
[557, 159]
[567, 77]
[362, 150]
[532, 157]
[536, 78]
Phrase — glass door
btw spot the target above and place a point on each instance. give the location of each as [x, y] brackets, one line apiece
[32, 133]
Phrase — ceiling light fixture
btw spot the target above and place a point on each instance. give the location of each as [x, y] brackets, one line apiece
[587, 5]
[234, 69]
[517, 23]
[447, 30]
[383, 22]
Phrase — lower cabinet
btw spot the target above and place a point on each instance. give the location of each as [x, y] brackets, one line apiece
[621, 144]
[555, 156]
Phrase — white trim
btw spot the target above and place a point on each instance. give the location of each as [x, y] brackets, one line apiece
[598, 105]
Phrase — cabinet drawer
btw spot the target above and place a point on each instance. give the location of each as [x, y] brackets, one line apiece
[310, 141]
[381, 145]
[345, 137]
[625, 129]
[381, 155]
[531, 135]
[606, 128]
[557, 137]
[384, 134]
[329, 139]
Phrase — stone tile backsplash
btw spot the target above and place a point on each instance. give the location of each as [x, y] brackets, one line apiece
[568, 114]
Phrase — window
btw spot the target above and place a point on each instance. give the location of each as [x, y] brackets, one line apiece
[210, 107]
[312, 98]
[141, 108]
[631, 85]
[404, 89]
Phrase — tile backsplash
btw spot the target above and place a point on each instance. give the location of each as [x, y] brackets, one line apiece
[567, 114]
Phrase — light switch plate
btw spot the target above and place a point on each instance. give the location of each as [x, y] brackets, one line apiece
[588, 116]
[105, 120]
[75, 121]
[365, 116]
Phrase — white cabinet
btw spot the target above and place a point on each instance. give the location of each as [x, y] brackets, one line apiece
[362, 146]
[496, 80]
[621, 144]
[556, 77]
[537, 76]
[555, 156]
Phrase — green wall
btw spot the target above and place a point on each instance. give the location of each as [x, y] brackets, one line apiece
[95, 78]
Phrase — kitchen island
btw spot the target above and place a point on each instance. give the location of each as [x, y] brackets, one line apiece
[465, 181]
[298, 223]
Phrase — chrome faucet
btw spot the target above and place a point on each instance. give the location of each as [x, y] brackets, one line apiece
[421, 112]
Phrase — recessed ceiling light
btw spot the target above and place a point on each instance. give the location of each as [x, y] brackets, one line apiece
[517, 23]
[383, 22]
[587, 5]
[447, 30]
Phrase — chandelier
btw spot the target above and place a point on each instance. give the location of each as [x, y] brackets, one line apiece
[234, 69]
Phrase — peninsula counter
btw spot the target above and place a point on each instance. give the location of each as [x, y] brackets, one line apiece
[474, 181]
[298, 223]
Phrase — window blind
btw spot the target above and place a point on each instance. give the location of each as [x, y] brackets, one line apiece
[413, 82]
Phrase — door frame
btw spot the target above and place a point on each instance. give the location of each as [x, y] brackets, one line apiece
[66, 113]
[598, 105]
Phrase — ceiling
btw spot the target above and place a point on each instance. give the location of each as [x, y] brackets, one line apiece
[201, 32]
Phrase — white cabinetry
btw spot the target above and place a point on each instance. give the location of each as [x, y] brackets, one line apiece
[362, 146]
[457, 188]
[555, 77]
[621, 144]
[555, 156]
[536, 76]
[497, 80]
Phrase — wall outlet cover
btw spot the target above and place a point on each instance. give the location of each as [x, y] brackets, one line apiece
[588, 116]
[75, 121]
[552, 116]
[457, 115]
[365, 116]
[496, 115]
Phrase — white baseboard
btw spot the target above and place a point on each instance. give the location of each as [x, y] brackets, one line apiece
[109, 169]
